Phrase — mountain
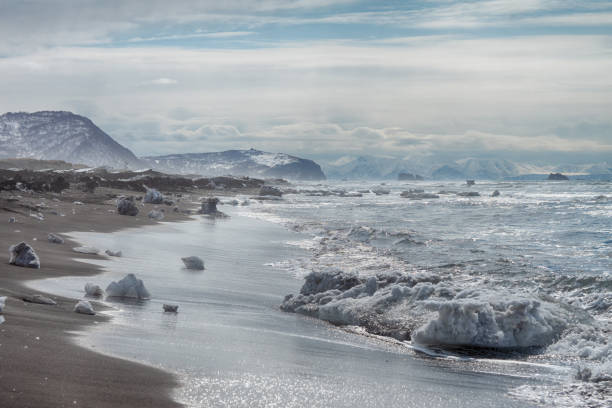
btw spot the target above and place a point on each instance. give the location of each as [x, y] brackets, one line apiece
[58, 135]
[238, 163]
[370, 167]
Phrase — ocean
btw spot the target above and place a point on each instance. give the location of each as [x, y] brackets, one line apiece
[453, 301]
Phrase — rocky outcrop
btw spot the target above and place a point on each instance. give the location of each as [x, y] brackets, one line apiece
[557, 177]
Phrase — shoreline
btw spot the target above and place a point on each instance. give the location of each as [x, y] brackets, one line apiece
[42, 364]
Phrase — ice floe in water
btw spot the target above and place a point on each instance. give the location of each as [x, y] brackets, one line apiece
[128, 287]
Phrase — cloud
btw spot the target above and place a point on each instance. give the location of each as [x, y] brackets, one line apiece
[162, 81]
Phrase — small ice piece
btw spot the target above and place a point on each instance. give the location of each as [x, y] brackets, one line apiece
[153, 196]
[156, 215]
[193, 262]
[23, 254]
[113, 253]
[40, 299]
[2, 303]
[86, 250]
[55, 239]
[93, 290]
[78, 203]
[38, 216]
[127, 206]
[12, 220]
[496, 193]
[170, 308]
[84, 307]
[209, 207]
[129, 287]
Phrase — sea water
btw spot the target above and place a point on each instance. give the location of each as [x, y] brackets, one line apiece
[232, 346]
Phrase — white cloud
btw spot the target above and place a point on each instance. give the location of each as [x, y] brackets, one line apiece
[162, 81]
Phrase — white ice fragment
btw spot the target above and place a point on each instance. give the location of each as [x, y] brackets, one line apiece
[93, 290]
[129, 286]
[193, 262]
[153, 196]
[84, 307]
[113, 253]
[2, 303]
[86, 250]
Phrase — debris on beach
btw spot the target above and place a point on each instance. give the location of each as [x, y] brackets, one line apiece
[469, 194]
[93, 290]
[156, 215]
[209, 207]
[126, 206]
[55, 239]
[153, 196]
[2, 303]
[37, 216]
[170, 308]
[113, 253]
[129, 287]
[496, 193]
[193, 262]
[23, 254]
[84, 307]
[12, 220]
[40, 299]
[86, 250]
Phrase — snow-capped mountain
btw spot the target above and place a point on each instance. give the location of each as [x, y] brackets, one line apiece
[471, 168]
[58, 135]
[238, 163]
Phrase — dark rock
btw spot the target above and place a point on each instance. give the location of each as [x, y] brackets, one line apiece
[209, 207]
[470, 182]
[126, 206]
[469, 194]
[156, 215]
[193, 262]
[557, 177]
[496, 193]
[23, 254]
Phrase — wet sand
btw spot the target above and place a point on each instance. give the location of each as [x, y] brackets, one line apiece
[40, 365]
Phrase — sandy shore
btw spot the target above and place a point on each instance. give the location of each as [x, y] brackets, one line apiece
[40, 366]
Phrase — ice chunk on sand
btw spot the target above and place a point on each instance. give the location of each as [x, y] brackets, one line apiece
[2, 303]
[129, 287]
[40, 299]
[193, 262]
[55, 239]
[23, 254]
[113, 253]
[492, 321]
[84, 307]
[86, 250]
[12, 220]
[93, 290]
[170, 308]
[153, 196]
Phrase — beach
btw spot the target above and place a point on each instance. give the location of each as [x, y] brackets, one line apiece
[41, 364]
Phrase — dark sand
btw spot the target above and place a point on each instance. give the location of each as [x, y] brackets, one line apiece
[40, 366]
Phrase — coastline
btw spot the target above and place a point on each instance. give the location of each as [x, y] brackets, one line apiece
[41, 364]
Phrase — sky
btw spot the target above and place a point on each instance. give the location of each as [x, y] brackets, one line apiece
[324, 79]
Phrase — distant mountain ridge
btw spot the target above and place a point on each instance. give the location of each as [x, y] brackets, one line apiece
[60, 135]
[238, 163]
[370, 167]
